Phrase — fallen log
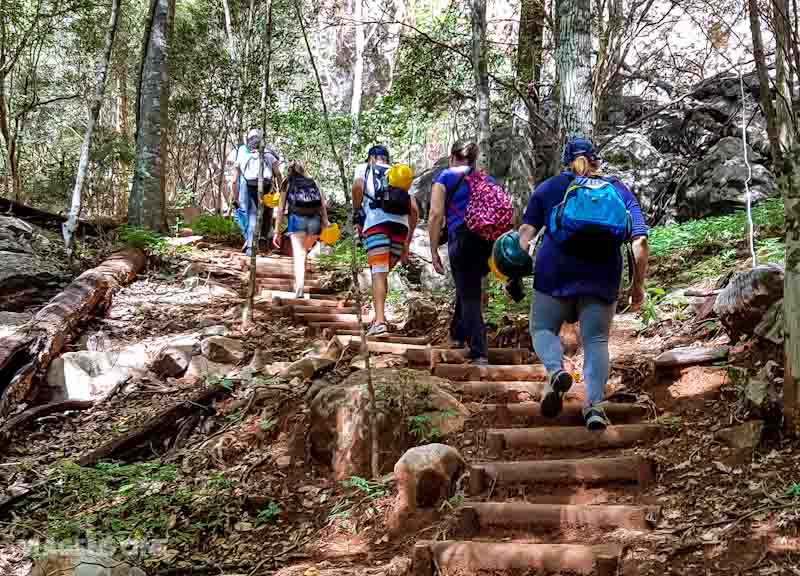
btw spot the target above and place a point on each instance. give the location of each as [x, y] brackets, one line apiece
[119, 446]
[690, 356]
[20, 420]
[26, 353]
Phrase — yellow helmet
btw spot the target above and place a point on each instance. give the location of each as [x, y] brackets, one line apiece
[272, 200]
[330, 235]
[400, 176]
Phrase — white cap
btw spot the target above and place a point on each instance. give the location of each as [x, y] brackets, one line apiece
[254, 132]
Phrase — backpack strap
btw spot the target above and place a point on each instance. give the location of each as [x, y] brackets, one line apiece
[450, 192]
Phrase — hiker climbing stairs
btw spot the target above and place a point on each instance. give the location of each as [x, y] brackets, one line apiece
[543, 494]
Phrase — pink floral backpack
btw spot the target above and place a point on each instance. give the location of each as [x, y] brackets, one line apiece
[489, 212]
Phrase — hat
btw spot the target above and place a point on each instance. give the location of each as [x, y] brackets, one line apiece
[378, 150]
[254, 132]
[578, 147]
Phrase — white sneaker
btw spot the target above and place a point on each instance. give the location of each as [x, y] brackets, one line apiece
[377, 330]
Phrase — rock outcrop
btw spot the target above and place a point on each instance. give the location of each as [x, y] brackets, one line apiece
[751, 303]
[413, 407]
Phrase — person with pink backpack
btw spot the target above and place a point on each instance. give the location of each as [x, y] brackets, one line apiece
[475, 211]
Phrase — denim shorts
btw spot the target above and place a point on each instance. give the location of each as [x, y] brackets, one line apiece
[308, 224]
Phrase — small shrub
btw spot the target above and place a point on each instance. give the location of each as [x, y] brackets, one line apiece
[152, 243]
[341, 256]
[268, 513]
[217, 228]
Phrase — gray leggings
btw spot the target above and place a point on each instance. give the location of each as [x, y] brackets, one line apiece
[595, 316]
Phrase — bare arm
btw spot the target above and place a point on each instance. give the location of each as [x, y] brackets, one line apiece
[436, 216]
[526, 234]
[281, 208]
[641, 255]
[358, 194]
[413, 216]
[276, 174]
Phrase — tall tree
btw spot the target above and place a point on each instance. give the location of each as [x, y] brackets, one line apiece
[763, 80]
[147, 204]
[574, 68]
[94, 111]
[480, 67]
[530, 47]
[791, 294]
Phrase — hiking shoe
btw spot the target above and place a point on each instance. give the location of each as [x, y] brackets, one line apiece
[553, 400]
[481, 361]
[595, 418]
[377, 330]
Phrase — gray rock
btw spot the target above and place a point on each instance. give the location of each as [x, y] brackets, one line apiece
[749, 296]
[763, 393]
[420, 250]
[172, 361]
[716, 183]
[87, 375]
[223, 350]
[82, 562]
[424, 475]
[421, 314]
[746, 436]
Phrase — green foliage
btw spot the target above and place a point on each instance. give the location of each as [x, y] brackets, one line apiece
[153, 243]
[267, 424]
[500, 304]
[341, 256]
[425, 426]
[268, 514]
[718, 231]
[793, 490]
[370, 488]
[673, 424]
[217, 228]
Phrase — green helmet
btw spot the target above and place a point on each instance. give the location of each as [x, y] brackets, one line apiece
[509, 258]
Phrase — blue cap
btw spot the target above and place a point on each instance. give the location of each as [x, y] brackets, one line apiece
[578, 147]
[378, 150]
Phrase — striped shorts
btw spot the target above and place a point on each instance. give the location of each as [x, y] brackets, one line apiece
[384, 244]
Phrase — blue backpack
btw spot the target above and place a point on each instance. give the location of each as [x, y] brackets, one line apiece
[592, 215]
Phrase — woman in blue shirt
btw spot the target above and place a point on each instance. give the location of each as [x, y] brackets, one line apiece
[583, 287]
[468, 252]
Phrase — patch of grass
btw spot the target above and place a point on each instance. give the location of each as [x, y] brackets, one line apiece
[268, 514]
[718, 230]
[217, 228]
[152, 243]
[424, 426]
[370, 488]
[340, 257]
[501, 303]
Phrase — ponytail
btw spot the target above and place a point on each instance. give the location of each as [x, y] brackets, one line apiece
[465, 151]
[582, 166]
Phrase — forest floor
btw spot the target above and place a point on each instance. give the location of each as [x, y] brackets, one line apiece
[240, 492]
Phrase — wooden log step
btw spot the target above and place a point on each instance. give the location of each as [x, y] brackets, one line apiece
[280, 275]
[502, 391]
[287, 284]
[392, 338]
[327, 317]
[590, 471]
[316, 302]
[315, 309]
[321, 327]
[376, 345]
[478, 516]
[530, 413]
[571, 437]
[492, 372]
[435, 356]
[468, 557]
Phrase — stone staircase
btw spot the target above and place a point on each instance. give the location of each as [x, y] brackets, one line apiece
[544, 496]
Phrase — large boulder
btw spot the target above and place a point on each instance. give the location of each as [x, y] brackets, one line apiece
[763, 394]
[413, 407]
[420, 255]
[716, 183]
[749, 302]
[421, 314]
[26, 276]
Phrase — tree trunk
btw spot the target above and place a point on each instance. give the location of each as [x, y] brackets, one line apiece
[147, 205]
[94, 112]
[229, 29]
[783, 62]
[791, 294]
[529, 50]
[358, 83]
[373, 411]
[574, 67]
[122, 125]
[25, 354]
[763, 80]
[480, 68]
[614, 106]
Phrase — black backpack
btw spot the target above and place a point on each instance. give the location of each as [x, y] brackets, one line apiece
[304, 196]
[390, 199]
